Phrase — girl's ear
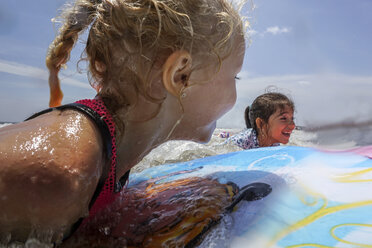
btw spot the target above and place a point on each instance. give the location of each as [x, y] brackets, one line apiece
[176, 72]
[259, 123]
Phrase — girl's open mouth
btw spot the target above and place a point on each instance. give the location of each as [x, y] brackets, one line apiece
[286, 134]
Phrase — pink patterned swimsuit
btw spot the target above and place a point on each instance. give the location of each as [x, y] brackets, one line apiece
[106, 194]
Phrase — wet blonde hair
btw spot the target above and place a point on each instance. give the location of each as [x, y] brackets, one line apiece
[129, 38]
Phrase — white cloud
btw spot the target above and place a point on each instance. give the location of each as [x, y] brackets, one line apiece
[36, 73]
[252, 32]
[22, 70]
[303, 82]
[277, 30]
[274, 30]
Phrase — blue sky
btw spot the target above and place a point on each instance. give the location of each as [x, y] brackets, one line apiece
[318, 52]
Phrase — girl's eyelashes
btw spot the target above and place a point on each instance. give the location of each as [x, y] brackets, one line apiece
[237, 78]
[287, 119]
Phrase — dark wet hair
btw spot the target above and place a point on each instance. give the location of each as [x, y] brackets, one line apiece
[264, 106]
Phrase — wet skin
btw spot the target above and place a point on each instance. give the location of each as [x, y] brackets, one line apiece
[208, 101]
[49, 167]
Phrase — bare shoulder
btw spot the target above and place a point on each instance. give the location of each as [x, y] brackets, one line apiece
[49, 168]
[67, 139]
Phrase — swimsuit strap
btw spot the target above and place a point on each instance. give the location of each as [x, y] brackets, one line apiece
[106, 195]
[107, 185]
[108, 139]
[94, 116]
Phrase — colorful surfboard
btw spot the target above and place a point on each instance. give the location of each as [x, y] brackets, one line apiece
[268, 197]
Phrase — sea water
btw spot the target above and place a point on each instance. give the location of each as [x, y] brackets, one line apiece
[333, 139]
[176, 151]
[336, 138]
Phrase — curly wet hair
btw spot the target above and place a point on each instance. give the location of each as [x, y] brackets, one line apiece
[128, 38]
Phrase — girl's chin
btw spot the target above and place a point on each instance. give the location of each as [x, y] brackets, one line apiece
[205, 133]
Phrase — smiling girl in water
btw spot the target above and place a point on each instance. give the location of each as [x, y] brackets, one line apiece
[163, 70]
[269, 122]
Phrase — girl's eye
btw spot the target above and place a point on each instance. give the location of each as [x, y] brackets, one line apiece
[287, 119]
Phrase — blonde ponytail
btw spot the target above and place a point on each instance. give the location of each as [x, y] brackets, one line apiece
[77, 19]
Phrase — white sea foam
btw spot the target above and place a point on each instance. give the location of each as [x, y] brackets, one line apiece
[180, 151]
[4, 124]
